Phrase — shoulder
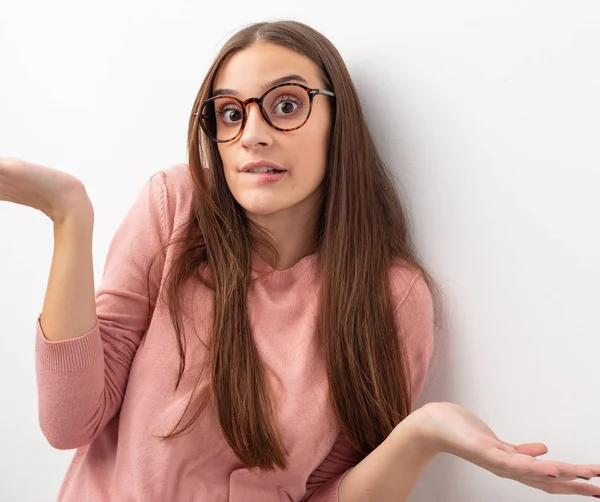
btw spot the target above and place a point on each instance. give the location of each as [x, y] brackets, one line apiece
[173, 192]
[408, 286]
[177, 181]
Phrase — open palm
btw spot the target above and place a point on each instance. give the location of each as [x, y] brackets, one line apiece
[458, 431]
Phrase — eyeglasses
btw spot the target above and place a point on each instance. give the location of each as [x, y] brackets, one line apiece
[285, 107]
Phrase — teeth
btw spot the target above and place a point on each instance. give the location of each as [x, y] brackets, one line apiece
[262, 170]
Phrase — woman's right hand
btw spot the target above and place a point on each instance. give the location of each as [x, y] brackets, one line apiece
[56, 193]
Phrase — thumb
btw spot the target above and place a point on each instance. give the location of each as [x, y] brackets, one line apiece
[532, 449]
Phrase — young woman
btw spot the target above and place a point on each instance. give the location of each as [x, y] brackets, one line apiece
[257, 336]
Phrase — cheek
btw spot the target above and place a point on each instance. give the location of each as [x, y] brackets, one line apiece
[322, 132]
[315, 140]
[319, 149]
[223, 155]
[228, 159]
[310, 154]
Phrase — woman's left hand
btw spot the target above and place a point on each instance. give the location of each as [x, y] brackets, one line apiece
[455, 430]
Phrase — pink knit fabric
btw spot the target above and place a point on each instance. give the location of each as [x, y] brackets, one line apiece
[110, 392]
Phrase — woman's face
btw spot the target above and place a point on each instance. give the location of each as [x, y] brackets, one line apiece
[301, 153]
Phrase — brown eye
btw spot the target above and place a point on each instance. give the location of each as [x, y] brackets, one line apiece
[228, 115]
[231, 116]
[287, 107]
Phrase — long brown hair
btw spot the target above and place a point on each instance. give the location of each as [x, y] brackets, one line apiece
[362, 232]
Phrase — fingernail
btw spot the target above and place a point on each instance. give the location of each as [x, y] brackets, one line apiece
[581, 477]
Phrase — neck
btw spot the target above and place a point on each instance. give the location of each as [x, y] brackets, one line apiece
[294, 233]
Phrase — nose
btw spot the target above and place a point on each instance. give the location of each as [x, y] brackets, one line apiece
[256, 131]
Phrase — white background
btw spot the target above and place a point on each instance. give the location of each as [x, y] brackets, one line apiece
[488, 113]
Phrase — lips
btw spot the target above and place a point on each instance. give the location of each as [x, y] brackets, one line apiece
[260, 163]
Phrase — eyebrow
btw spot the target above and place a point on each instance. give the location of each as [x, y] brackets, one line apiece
[265, 87]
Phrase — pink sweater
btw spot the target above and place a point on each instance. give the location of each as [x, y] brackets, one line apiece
[109, 392]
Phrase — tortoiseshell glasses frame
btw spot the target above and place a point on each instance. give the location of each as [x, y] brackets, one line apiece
[311, 93]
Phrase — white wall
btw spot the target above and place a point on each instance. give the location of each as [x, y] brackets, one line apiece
[489, 116]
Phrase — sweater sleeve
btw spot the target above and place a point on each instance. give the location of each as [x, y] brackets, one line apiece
[415, 320]
[81, 381]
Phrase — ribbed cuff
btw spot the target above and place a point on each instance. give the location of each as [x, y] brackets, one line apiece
[330, 491]
[68, 355]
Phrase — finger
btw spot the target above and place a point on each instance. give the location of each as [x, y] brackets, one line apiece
[512, 465]
[564, 487]
[515, 465]
[567, 472]
[533, 449]
[571, 471]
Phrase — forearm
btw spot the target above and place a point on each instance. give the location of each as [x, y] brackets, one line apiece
[69, 307]
[389, 472]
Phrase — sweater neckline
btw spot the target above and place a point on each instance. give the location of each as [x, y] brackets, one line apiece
[290, 274]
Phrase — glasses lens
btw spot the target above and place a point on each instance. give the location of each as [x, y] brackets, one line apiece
[222, 118]
[287, 106]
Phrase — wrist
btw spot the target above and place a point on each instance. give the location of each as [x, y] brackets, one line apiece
[413, 435]
[78, 210]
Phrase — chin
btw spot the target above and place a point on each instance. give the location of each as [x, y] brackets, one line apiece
[261, 204]
[261, 210]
